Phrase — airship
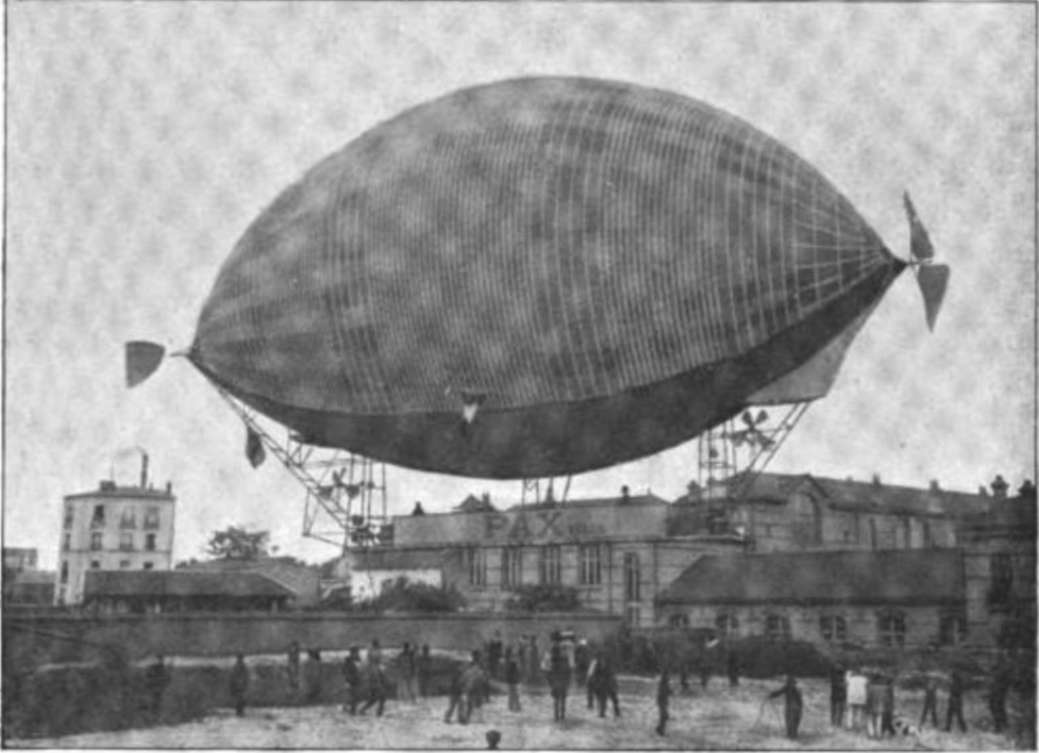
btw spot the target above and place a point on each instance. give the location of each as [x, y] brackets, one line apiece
[540, 277]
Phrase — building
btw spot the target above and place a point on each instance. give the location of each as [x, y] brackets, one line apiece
[865, 598]
[1000, 566]
[301, 581]
[23, 584]
[617, 552]
[158, 591]
[19, 559]
[114, 528]
[796, 512]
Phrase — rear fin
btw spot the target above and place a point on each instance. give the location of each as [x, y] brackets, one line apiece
[933, 279]
[919, 242]
[142, 359]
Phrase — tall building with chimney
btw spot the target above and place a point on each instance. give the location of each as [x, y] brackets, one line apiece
[114, 528]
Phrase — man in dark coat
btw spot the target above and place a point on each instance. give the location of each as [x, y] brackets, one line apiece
[239, 684]
[838, 695]
[955, 710]
[792, 705]
[312, 676]
[156, 678]
[424, 670]
[495, 647]
[352, 679]
[512, 678]
[293, 666]
[602, 682]
[558, 681]
[997, 699]
[930, 701]
[663, 698]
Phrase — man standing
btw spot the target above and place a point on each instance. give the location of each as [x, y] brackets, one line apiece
[352, 680]
[997, 699]
[239, 684]
[733, 664]
[856, 683]
[512, 677]
[955, 710]
[424, 670]
[376, 680]
[293, 667]
[582, 658]
[312, 676]
[838, 695]
[663, 698]
[156, 678]
[930, 701]
[558, 680]
[494, 653]
[602, 682]
[792, 705]
[407, 669]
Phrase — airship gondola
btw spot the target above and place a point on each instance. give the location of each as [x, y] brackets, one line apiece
[541, 277]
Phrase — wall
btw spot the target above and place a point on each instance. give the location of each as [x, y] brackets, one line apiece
[64, 638]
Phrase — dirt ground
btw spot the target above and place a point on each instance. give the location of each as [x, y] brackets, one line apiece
[720, 718]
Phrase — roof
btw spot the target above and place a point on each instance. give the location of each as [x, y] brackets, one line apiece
[634, 500]
[916, 576]
[301, 579]
[30, 577]
[123, 492]
[398, 559]
[863, 495]
[180, 583]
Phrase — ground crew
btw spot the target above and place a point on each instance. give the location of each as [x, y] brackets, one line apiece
[997, 699]
[424, 670]
[293, 666]
[733, 665]
[407, 668]
[558, 676]
[663, 697]
[312, 676]
[930, 701]
[376, 680]
[239, 684]
[955, 710]
[792, 705]
[602, 682]
[512, 677]
[352, 680]
[838, 695]
[156, 678]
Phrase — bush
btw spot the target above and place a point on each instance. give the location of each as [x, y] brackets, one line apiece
[404, 596]
[543, 598]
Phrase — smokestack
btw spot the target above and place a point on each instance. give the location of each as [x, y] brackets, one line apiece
[144, 470]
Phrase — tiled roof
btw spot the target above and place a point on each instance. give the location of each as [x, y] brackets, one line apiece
[863, 495]
[179, 583]
[920, 576]
[634, 500]
[302, 580]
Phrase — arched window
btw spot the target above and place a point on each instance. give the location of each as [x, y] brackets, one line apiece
[727, 625]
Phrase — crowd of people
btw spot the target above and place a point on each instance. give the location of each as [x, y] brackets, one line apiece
[861, 699]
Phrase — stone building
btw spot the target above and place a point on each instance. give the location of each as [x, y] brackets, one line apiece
[114, 528]
[889, 598]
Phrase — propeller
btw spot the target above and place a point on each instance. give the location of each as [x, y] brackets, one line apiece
[752, 435]
[932, 278]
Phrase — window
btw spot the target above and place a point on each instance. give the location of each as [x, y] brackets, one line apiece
[952, 629]
[95, 565]
[1001, 572]
[64, 571]
[66, 542]
[126, 542]
[149, 542]
[511, 567]
[95, 541]
[678, 620]
[550, 565]
[907, 540]
[124, 564]
[589, 560]
[632, 615]
[727, 625]
[833, 628]
[891, 629]
[70, 515]
[128, 518]
[98, 518]
[149, 565]
[872, 533]
[151, 517]
[632, 590]
[928, 541]
[817, 522]
[476, 564]
[777, 627]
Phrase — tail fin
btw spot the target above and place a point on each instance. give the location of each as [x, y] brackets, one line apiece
[142, 359]
[932, 278]
[919, 242]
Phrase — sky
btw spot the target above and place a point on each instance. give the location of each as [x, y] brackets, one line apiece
[143, 138]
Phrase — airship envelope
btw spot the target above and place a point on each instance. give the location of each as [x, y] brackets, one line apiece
[540, 277]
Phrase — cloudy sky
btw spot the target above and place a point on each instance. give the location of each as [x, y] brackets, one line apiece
[143, 138]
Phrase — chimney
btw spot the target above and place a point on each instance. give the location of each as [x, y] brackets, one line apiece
[982, 491]
[486, 498]
[169, 487]
[876, 479]
[934, 485]
[625, 494]
[144, 470]
[999, 487]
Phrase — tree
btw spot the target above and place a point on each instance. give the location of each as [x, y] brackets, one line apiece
[236, 543]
